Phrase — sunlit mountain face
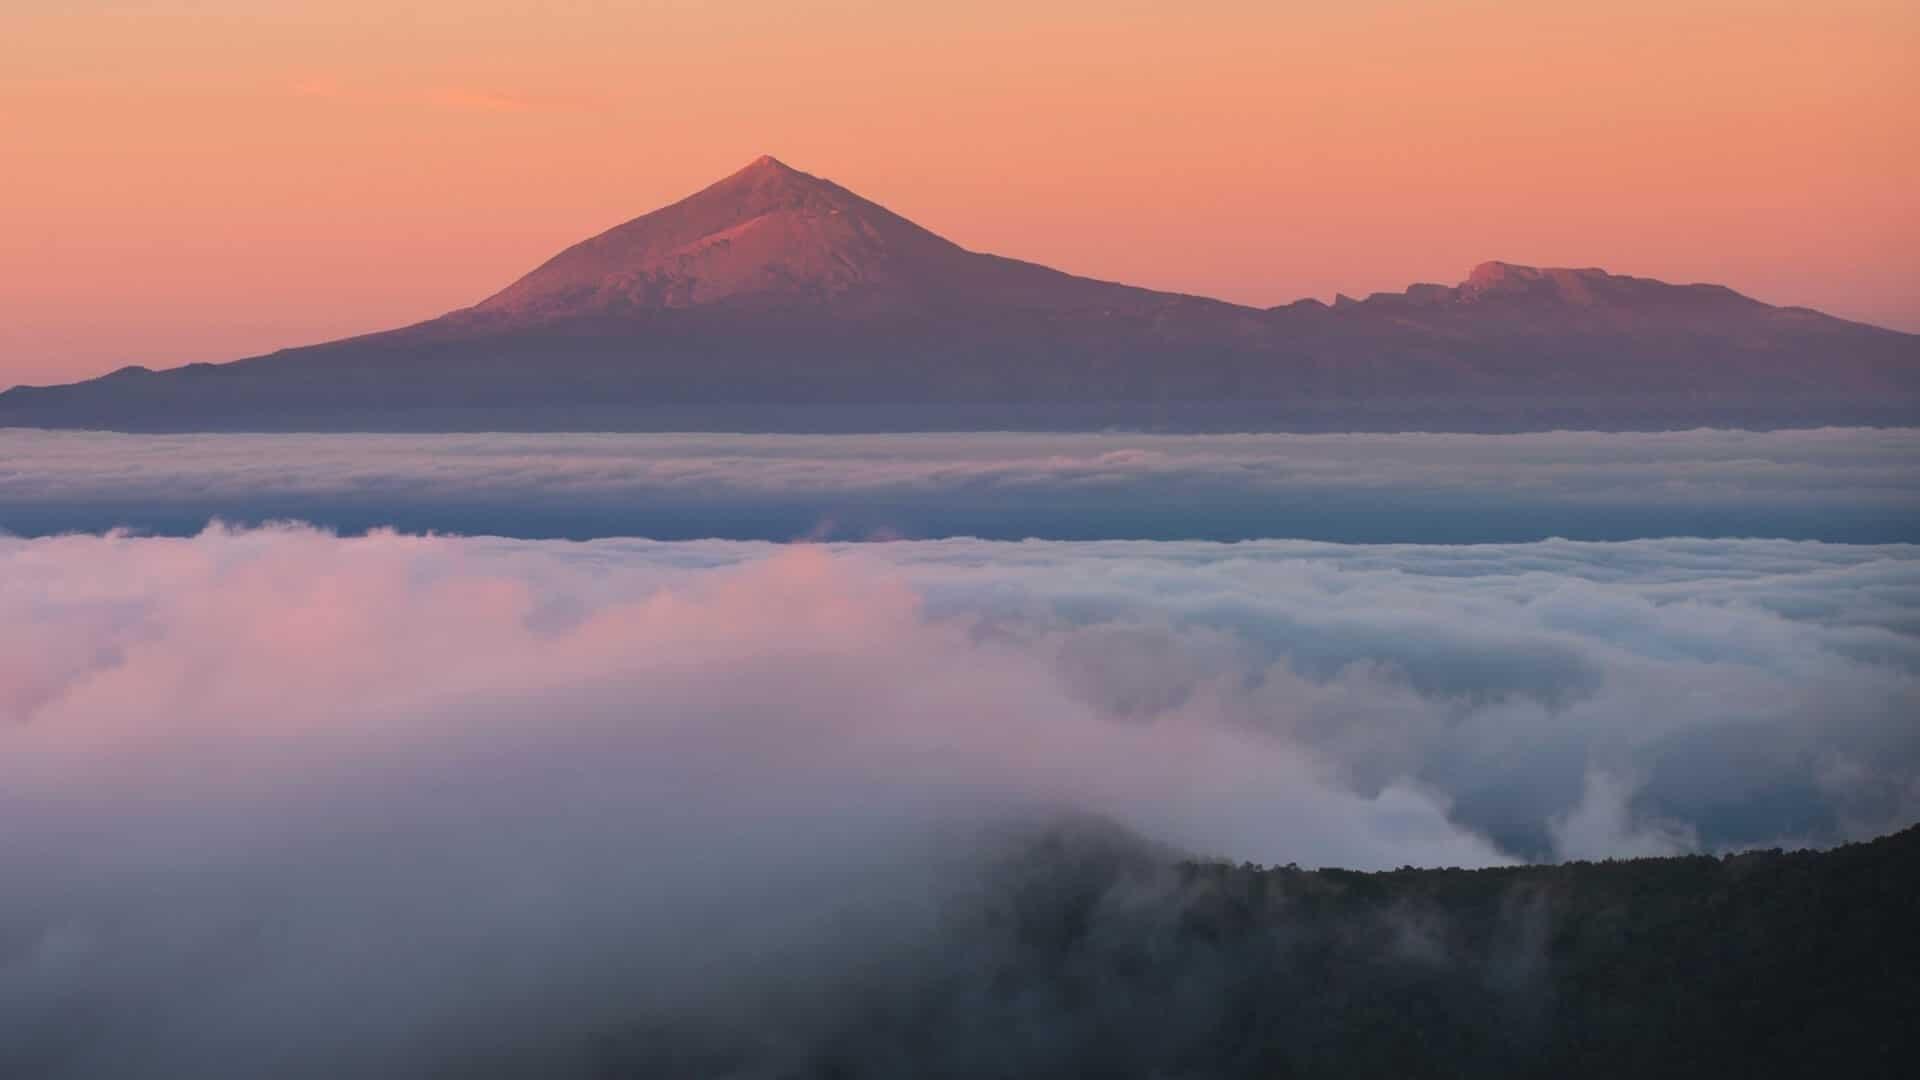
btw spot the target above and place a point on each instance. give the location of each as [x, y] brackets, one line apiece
[774, 300]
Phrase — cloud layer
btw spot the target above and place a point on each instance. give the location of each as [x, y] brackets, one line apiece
[1845, 485]
[302, 802]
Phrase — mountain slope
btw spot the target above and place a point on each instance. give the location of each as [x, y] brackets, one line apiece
[770, 237]
[778, 300]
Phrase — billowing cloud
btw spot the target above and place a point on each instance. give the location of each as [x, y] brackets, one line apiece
[1841, 485]
[294, 801]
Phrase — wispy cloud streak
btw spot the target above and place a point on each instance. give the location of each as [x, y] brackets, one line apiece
[1836, 484]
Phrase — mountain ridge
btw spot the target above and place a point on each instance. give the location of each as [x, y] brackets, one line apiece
[777, 300]
[770, 233]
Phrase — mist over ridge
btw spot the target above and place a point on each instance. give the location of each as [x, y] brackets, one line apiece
[401, 803]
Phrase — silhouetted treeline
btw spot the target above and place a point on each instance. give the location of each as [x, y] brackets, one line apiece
[1083, 952]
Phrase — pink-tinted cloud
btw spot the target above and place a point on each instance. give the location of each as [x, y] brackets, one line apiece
[387, 799]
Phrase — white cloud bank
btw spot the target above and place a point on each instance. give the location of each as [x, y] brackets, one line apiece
[300, 802]
[1706, 463]
[1841, 484]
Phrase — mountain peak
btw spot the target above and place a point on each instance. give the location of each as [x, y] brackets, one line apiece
[773, 288]
[1494, 274]
[1585, 286]
[767, 235]
[767, 170]
[1497, 276]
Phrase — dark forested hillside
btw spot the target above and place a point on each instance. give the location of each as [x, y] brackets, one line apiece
[1086, 954]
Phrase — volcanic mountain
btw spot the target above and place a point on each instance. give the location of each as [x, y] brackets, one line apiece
[776, 300]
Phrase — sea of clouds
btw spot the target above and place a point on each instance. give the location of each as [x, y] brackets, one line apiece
[1847, 485]
[292, 802]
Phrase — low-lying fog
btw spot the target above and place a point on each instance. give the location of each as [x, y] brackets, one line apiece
[1844, 485]
[280, 800]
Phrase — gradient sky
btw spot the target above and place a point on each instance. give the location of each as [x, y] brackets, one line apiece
[203, 180]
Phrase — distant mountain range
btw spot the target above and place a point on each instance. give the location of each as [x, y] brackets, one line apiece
[775, 300]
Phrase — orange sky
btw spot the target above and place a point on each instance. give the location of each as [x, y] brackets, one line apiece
[203, 179]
